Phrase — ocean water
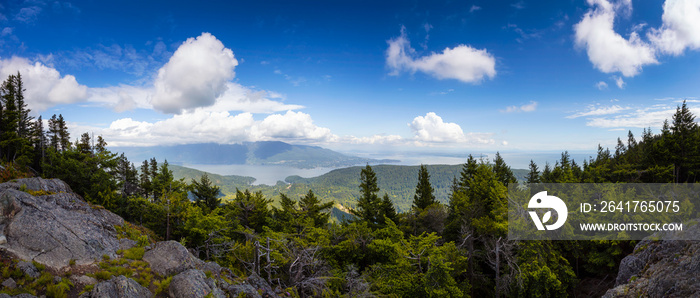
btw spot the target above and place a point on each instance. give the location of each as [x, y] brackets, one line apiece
[270, 174]
[263, 174]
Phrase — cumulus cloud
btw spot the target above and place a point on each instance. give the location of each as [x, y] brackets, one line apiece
[680, 28]
[221, 127]
[530, 107]
[197, 73]
[290, 126]
[45, 85]
[462, 62]
[607, 50]
[432, 129]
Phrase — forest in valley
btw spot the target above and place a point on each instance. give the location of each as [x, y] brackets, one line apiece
[455, 248]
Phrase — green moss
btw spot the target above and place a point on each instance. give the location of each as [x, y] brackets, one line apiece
[39, 266]
[71, 262]
[134, 253]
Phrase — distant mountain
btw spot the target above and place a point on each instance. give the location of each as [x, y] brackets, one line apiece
[249, 153]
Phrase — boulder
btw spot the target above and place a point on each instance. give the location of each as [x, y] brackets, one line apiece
[170, 257]
[194, 283]
[82, 280]
[242, 290]
[661, 268]
[28, 269]
[55, 228]
[118, 287]
[9, 283]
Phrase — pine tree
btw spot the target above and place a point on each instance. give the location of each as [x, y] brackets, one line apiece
[145, 179]
[368, 204]
[311, 206]
[503, 172]
[206, 193]
[534, 175]
[424, 196]
[63, 135]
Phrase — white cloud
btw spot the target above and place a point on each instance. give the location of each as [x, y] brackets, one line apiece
[601, 85]
[641, 118]
[619, 82]
[608, 51]
[211, 126]
[462, 62]
[680, 29]
[597, 110]
[195, 76]
[432, 129]
[45, 86]
[28, 14]
[474, 8]
[376, 139]
[290, 126]
[530, 107]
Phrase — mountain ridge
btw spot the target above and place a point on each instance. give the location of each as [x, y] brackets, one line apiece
[249, 153]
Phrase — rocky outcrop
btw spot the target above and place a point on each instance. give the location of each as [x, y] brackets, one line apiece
[55, 226]
[661, 268]
[44, 221]
[194, 283]
[118, 287]
[170, 258]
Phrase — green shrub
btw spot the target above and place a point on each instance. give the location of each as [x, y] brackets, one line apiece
[59, 290]
[163, 285]
[134, 253]
[103, 275]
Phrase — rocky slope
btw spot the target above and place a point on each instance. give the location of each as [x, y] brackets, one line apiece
[661, 268]
[54, 243]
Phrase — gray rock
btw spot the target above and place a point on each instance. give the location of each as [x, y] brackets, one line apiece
[126, 243]
[9, 283]
[212, 267]
[117, 287]
[170, 258]
[194, 283]
[242, 290]
[664, 268]
[629, 266]
[23, 295]
[261, 284]
[28, 269]
[53, 229]
[82, 280]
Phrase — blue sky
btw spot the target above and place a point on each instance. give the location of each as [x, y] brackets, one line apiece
[360, 76]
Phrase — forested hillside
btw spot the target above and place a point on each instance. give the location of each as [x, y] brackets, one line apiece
[341, 185]
[433, 246]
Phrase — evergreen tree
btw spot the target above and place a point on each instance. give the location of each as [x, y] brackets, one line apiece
[503, 172]
[63, 135]
[312, 208]
[206, 193]
[370, 207]
[424, 196]
[684, 145]
[534, 175]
